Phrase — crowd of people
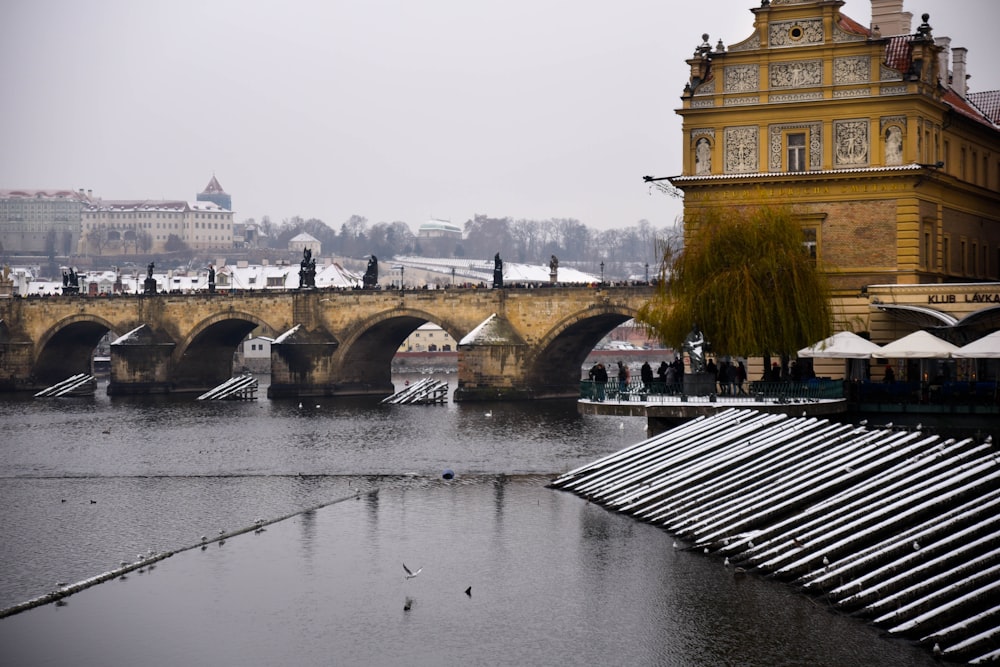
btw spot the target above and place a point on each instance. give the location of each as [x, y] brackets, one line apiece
[728, 378]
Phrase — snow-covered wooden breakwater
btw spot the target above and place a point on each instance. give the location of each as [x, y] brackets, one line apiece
[900, 527]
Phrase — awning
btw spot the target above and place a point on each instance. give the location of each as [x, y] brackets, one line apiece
[918, 345]
[842, 345]
[987, 347]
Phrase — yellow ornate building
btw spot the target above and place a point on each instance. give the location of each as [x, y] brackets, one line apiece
[870, 135]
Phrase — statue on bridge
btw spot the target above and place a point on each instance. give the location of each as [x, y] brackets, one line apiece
[149, 286]
[370, 280]
[211, 279]
[71, 282]
[694, 345]
[307, 270]
[497, 271]
[553, 269]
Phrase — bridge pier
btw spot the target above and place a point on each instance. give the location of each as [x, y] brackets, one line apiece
[15, 365]
[302, 364]
[140, 363]
[490, 363]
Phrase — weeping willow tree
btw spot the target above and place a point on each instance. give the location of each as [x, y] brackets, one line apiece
[746, 279]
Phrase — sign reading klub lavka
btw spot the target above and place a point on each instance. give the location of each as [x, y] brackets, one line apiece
[977, 297]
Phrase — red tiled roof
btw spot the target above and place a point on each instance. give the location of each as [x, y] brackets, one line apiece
[849, 25]
[138, 205]
[988, 102]
[955, 101]
[42, 194]
[899, 53]
[213, 187]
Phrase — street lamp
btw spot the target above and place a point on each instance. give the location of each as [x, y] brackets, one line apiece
[647, 273]
[602, 272]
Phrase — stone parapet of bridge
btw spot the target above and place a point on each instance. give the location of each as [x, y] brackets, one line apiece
[515, 343]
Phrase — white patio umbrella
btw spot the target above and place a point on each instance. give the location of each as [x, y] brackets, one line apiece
[917, 345]
[987, 347]
[842, 345]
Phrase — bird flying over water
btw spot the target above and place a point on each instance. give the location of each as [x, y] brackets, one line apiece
[409, 573]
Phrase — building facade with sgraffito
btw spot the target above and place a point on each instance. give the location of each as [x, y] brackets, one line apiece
[871, 136]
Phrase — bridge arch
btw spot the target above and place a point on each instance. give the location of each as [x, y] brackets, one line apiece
[204, 359]
[366, 350]
[67, 347]
[555, 363]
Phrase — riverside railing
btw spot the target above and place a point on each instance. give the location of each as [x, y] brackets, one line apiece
[656, 391]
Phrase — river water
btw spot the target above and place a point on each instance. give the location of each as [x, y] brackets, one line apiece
[512, 573]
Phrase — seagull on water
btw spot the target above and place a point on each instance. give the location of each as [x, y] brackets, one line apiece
[489, 413]
[409, 573]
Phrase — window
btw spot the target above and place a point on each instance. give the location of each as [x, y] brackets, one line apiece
[796, 156]
[809, 235]
[946, 254]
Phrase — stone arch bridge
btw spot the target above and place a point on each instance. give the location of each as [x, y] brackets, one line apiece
[515, 343]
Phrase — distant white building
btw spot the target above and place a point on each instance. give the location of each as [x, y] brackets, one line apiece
[146, 226]
[435, 228]
[298, 243]
[428, 337]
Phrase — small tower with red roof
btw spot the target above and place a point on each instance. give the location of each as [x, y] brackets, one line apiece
[214, 193]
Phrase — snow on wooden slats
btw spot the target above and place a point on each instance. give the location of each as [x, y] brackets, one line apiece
[718, 489]
[900, 514]
[988, 587]
[905, 520]
[851, 520]
[701, 478]
[680, 457]
[828, 474]
[798, 530]
[879, 559]
[876, 584]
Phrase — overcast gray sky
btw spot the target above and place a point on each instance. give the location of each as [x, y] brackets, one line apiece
[389, 109]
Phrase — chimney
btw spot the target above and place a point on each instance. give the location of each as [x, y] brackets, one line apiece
[944, 67]
[958, 77]
[890, 18]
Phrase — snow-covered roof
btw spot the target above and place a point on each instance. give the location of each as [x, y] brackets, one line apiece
[440, 225]
[285, 276]
[481, 270]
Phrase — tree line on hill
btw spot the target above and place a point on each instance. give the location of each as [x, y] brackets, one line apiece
[522, 241]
